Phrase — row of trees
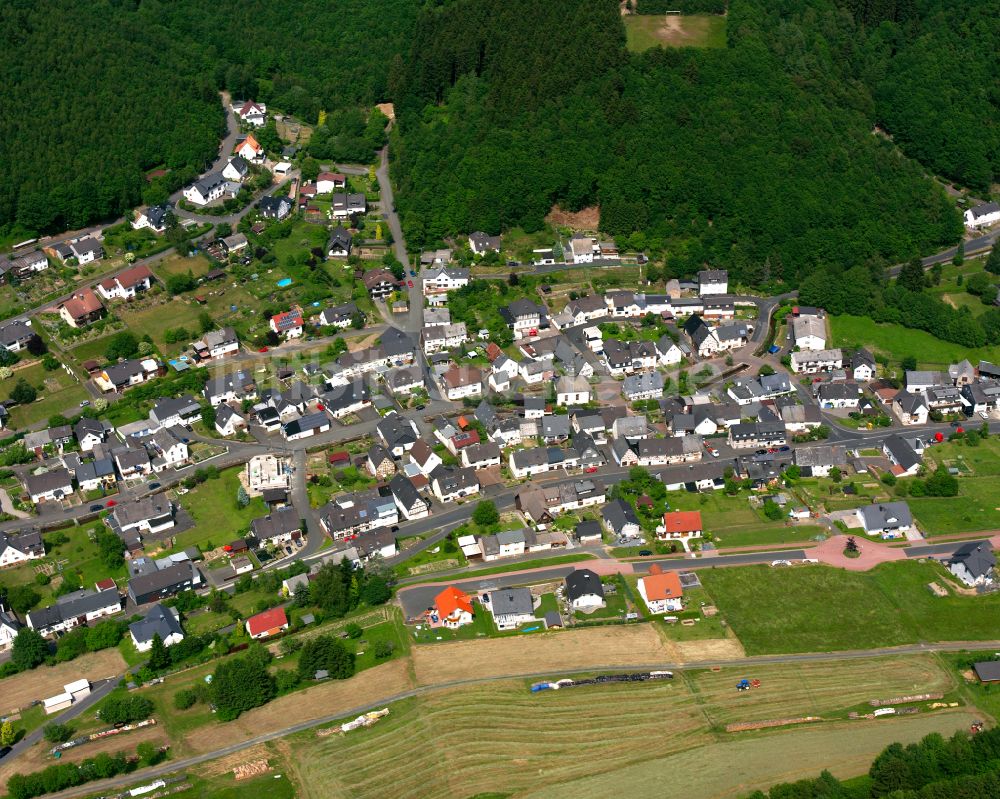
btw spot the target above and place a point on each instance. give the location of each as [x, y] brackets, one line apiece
[933, 768]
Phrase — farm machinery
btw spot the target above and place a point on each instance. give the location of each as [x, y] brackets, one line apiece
[746, 685]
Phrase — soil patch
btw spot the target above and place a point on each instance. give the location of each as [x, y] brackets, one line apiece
[22, 689]
[571, 650]
[337, 696]
[584, 219]
[710, 649]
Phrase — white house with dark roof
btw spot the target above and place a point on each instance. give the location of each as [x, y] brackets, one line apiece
[583, 590]
[511, 607]
[161, 621]
[206, 189]
[20, 547]
[888, 519]
[982, 215]
[974, 564]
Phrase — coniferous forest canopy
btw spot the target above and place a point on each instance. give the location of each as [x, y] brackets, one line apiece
[763, 157]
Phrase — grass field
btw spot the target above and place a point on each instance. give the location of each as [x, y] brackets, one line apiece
[616, 730]
[21, 689]
[898, 342]
[58, 392]
[212, 505]
[821, 609]
[643, 32]
[977, 506]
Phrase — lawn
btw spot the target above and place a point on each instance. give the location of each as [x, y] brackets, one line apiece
[58, 392]
[643, 32]
[977, 506]
[268, 786]
[779, 535]
[212, 505]
[197, 265]
[898, 342]
[821, 609]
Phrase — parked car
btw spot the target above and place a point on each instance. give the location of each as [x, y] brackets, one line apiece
[421, 407]
[153, 486]
[262, 349]
[84, 403]
[645, 553]
[785, 448]
[409, 284]
[95, 508]
[413, 273]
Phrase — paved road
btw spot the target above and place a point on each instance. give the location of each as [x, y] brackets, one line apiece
[175, 766]
[99, 689]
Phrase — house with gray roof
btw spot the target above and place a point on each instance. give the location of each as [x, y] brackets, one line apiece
[161, 621]
[511, 607]
[886, 519]
[974, 563]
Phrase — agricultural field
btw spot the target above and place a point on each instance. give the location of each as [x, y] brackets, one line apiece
[455, 759]
[897, 342]
[58, 393]
[643, 32]
[822, 609]
[22, 689]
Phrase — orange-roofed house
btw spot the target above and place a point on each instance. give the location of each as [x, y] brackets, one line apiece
[661, 591]
[681, 524]
[453, 608]
[82, 308]
[250, 149]
[270, 622]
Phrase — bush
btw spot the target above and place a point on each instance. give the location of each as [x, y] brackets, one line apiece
[328, 654]
[185, 699]
[383, 649]
[56, 733]
[353, 630]
[125, 709]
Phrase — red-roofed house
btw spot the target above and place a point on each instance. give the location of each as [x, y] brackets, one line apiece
[327, 182]
[287, 324]
[453, 608]
[126, 285]
[681, 524]
[463, 440]
[254, 114]
[82, 308]
[661, 591]
[493, 351]
[270, 622]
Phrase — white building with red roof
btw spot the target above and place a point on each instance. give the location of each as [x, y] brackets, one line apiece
[253, 114]
[453, 608]
[287, 324]
[126, 285]
[270, 622]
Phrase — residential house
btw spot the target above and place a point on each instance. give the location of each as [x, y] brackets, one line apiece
[586, 309]
[443, 337]
[253, 114]
[450, 485]
[511, 607]
[380, 283]
[132, 462]
[230, 387]
[669, 351]
[583, 590]
[581, 249]
[631, 428]
[619, 518]
[974, 564]
[228, 422]
[306, 426]
[713, 281]
[443, 279]
[237, 169]
[274, 207]
[817, 461]
[74, 609]
[398, 433]
[809, 332]
[757, 434]
[343, 206]
[902, 455]
[661, 591]
[82, 308]
[87, 250]
[207, 189]
[982, 215]
[95, 474]
[917, 382]
[863, 366]
[339, 243]
[379, 462]
[329, 182]
[250, 150]
[645, 386]
[48, 486]
[910, 408]
[358, 512]
[812, 361]
[288, 324]
[339, 315]
[554, 429]
[125, 374]
[462, 381]
[524, 317]
[277, 528]
[409, 502]
[425, 459]
[20, 547]
[480, 243]
[452, 608]
[889, 519]
[91, 432]
[267, 624]
[681, 524]
[219, 344]
[147, 515]
[482, 455]
[9, 627]
[838, 395]
[16, 334]
[171, 411]
[159, 621]
[126, 285]
[154, 585]
[588, 532]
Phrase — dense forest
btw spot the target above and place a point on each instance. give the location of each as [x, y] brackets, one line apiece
[959, 767]
[711, 156]
[98, 92]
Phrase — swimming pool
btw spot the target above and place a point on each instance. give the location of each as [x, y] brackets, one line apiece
[285, 281]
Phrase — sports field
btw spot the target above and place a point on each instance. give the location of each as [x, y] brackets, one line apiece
[500, 738]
